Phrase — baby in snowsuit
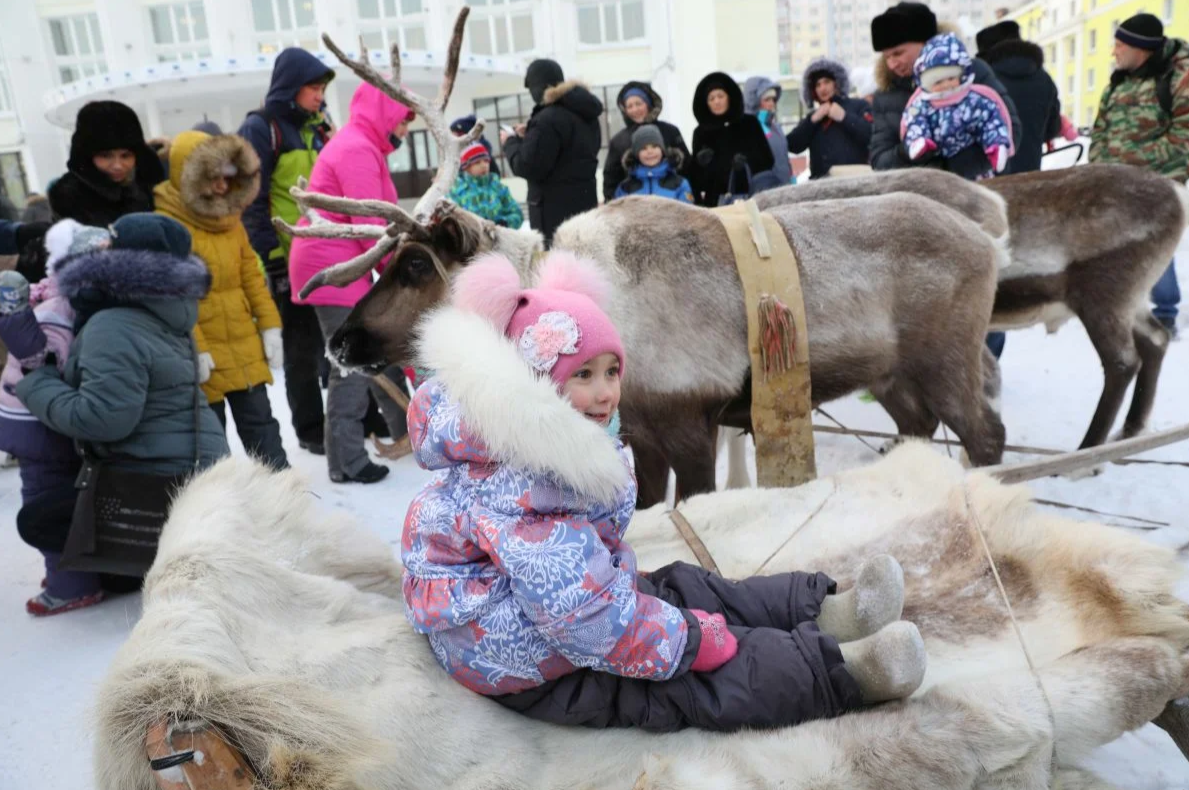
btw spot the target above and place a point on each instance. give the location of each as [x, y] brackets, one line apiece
[949, 113]
[516, 564]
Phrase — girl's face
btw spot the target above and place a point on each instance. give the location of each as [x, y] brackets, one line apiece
[118, 164]
[718, 101]
[636, 108]
[651, 155]
[220, 186]
[593, 389]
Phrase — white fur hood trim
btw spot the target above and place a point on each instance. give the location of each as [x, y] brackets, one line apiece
[520, 418]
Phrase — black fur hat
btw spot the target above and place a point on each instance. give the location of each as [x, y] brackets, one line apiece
[901, 23]
[988, 37]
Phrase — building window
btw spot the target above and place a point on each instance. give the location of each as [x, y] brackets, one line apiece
[1090, 79]
[1051, 55]
[500, 27]
[1093, 46]
[611, 22]
[1071, 47]
[78, 47]
[179, 31]
[284, 23]
[1167, 11]
[1070, 84]
[387, 22]
[1073, 8]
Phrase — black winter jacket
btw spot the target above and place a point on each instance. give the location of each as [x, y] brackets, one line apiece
[559, 156]
[719, 139]
[831, 143]
[888, 105]
[92, 199]
[1020, 67]
[621, 142]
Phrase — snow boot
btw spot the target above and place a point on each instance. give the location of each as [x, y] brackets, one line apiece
[876, 600]
[889, 664]
[44, 604]
[372, 473]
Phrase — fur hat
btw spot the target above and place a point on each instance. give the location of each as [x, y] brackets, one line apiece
[902, 23]
[153, 232]
[1142, 31]
[645, 135]
[474, 152]
[106, 126]
[558, 325]
[988, 37]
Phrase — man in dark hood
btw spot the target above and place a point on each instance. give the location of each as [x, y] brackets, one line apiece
[1020, 67]
[287, 133]
[558, 151]
[838, 130]
[639, 104]
[898, 35]
[107, 135]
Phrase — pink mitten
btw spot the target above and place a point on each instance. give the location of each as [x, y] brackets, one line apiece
[998, 156]
[1068, 130]
[921, 146]
[718, 644]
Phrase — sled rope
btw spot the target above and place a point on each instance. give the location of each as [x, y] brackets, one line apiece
[843, 429]
[686, 530]
[1015, 624]
[803, 525]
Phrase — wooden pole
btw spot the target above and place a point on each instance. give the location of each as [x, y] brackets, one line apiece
[1081, 459]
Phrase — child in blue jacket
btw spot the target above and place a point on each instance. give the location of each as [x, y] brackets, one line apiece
[650, 171]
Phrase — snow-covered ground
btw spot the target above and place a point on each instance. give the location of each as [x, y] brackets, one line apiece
[49, 669]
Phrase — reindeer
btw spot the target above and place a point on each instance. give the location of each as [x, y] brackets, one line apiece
[902, 317]
[1086, 241]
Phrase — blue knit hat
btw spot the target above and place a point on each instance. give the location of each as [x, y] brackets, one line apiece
[1142, 31]
[639, 93]
[154, 232]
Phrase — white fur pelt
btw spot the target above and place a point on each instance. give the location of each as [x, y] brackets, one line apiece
[283, 625]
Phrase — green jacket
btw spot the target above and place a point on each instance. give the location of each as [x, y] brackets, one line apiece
[488, 197]
[1132, 128]
[129, 385]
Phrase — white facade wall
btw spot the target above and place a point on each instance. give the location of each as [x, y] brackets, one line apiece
[112, 52]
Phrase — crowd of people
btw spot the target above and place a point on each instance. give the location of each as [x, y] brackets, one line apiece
[162, 296]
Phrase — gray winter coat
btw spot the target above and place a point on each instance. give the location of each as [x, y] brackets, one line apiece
[753, 89]
[129, 386]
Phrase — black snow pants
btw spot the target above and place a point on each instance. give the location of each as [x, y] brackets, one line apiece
[786, 671]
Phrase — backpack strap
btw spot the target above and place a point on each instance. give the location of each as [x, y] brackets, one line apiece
[1164, 89]
[992, 94]
[274, 131]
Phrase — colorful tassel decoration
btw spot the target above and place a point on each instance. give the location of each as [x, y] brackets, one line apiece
[777, 336]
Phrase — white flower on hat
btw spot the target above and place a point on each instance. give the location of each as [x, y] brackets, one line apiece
[555, 333]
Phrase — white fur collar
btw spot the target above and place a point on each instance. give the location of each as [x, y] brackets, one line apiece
[520, 418]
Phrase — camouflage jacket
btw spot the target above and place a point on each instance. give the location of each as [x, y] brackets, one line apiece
[1132, 127]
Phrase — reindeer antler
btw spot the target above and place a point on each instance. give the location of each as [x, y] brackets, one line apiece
[432, 206]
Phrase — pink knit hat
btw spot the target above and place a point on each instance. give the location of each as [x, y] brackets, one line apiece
[559, 325]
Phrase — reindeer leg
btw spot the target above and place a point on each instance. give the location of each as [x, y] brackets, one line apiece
[652, 474]
[959, 399]
[902, 400]
[1151, 341]
[693, 456]
[1116, 347]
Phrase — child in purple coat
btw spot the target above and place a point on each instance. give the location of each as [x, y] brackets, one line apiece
[516, 566]
[949, 113]
[37, 326]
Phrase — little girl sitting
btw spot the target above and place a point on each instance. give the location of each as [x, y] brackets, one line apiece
[516, 566]
[949, 113]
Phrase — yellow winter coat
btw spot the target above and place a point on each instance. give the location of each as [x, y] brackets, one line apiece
[239, 307]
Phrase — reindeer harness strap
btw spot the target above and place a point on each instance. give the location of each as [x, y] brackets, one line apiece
[778, 342]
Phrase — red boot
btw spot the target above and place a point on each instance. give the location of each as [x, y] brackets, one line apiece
[44, 604]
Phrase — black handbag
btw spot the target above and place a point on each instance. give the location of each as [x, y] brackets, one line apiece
[118, 515]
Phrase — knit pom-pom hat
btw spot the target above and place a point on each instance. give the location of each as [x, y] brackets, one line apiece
[558, 325]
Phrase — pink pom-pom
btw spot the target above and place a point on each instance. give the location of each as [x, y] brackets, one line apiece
[490, 287]
[564, 271]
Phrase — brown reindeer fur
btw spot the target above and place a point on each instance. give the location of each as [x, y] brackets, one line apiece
[1089, 241]
[905, 317]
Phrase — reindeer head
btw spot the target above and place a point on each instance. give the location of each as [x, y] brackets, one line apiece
[422, 247]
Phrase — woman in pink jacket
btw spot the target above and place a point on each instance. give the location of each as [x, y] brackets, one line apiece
[353, 164]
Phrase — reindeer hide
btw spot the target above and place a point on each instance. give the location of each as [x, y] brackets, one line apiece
[283, 625]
